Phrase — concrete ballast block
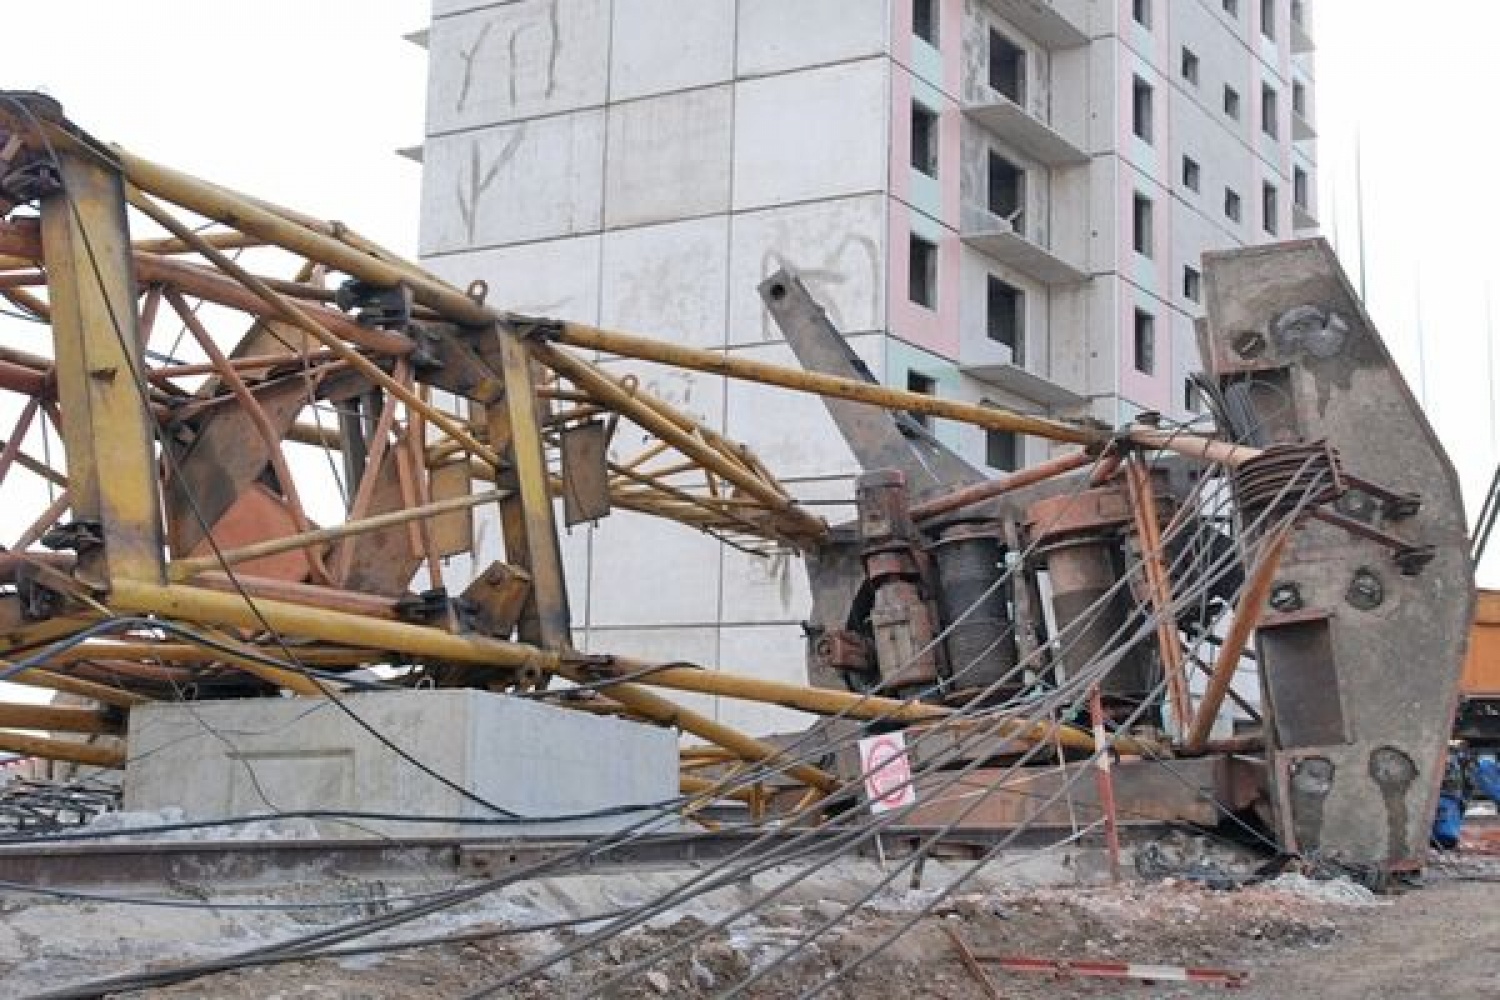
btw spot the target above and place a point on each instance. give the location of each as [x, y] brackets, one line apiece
[222, 759]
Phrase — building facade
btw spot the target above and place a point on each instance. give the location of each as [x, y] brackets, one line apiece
[1000, 201]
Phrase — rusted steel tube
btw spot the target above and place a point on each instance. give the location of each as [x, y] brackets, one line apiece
[1246, 616]
[182, 569]
[980, 492]
[1194, 446]
[302, 320]
[1143, 509]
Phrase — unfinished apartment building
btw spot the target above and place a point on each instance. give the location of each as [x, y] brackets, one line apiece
[996, 200]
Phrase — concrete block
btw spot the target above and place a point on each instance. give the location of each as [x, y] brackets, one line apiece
[702, 34]
[668, 281]
[780, 35]
[818, 133]
[839, 249]
[532, 180]
[668, 157]
[511, 61]
[268, 755]
[557, 278]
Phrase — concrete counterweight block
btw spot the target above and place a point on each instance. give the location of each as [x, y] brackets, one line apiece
[267, 756]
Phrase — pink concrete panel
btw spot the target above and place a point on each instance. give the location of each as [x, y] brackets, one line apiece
[933, 330]
[1151, 391]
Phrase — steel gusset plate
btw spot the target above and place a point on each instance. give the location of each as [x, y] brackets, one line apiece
[1358, 691]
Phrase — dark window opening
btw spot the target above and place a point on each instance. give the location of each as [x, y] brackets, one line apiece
[1232, 8]
[1190, 66]
[1007, 67]
[1269, 112]
[1142, 226]
[1232, 103]
[924, 140]
[1269, 207]
[1005, 316]
[1299, 187]
[1002, 450]
[1141, 11]
[1145, 342]
[1299, 98]
[1191, 173]
[1232, 204]
[1191, 400]
[927, 386]
[1142, 109]
[1007, 192]
[1268, 18]
[924, 20]
[1192, 283]
[922, 281]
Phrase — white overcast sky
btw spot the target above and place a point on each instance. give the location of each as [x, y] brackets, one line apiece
[304, 103]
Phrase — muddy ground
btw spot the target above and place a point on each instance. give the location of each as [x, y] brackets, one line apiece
[1439, 941]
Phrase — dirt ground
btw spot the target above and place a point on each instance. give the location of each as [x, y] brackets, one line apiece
[1439, 941]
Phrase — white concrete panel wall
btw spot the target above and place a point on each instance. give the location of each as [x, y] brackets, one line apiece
[818, 133]
[837, 246]
[508, 61]
[792, 432]
[644, 164]
[703, 37]
[780, 35]
[669, 280]
[668, 157]
[531, 180]
[557, 278]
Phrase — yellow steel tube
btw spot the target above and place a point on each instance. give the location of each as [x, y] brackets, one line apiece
[102, 693]
[177, 601]
[821, 701]
[618, 398]
[248, 216]
[55, 718]
[646, 349]
[96, 754]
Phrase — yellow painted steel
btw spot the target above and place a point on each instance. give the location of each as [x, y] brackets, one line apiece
[832, 386]
[54, 718]
[547, 604]
[250, 216]
[100, 373]
[96, 754]
[195, 604]
[102, 693]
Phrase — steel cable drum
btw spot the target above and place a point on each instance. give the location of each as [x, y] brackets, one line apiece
[982, 647]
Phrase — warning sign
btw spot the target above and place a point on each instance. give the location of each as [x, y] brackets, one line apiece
[887, 772]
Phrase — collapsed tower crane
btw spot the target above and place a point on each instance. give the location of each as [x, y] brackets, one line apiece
[174, 556]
